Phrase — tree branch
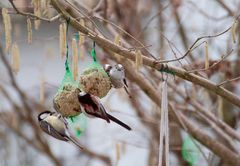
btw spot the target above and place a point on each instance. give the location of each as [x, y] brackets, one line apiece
[60, 6]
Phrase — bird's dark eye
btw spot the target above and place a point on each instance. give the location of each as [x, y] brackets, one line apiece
[107, 67]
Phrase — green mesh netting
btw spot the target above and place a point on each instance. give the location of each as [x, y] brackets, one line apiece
[77, 36]
[94, 79]
[95, 65]
[190, 152]
[68, 76]
[78, 124]
[68, 79]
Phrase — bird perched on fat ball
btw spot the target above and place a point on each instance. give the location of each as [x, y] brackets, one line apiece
[117, 76]
[92, 107]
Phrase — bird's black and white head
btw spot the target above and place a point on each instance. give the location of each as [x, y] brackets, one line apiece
[82, 94]
[83, 97]
[117, 72]
[107, 68]
[44, 115]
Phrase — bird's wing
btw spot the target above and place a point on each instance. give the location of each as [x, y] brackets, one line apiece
[125, 87]
[125, 82]
[92, 106]
[96, 109]
[99, 113]
[47, 128]
[101, 109]
[103, 112]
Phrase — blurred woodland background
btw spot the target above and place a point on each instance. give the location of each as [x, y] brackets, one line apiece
[193, 44]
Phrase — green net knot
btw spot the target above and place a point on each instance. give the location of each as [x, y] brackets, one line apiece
[165, 68]
[93, 53]
[68, 80]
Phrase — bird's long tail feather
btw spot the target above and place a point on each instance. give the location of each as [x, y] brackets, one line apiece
[76, 143]
[72, 138]
[118, 122]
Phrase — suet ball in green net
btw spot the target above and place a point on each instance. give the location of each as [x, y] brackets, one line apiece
[66, 99]
[94, 79]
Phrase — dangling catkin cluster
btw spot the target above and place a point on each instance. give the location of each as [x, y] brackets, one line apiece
[45, 4]
[75, 59]
[117, 41]
[15, 63]
[81, 45]
[29, 30]
[233, 30]
[42, 91]
[62, 39]
[138, 60]
[37, 12]
[8, 28]
[118, 152]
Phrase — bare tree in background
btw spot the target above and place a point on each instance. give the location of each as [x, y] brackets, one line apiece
[202, 64]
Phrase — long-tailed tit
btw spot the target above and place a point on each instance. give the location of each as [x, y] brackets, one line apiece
[93, 108]
[117, 76]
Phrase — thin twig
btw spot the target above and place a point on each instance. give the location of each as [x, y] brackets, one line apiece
[208, 114]
[204, 13]
[113, 24]
[151, 19]
[224, 6]
[229, 80]
[213, 65]
[192, 46]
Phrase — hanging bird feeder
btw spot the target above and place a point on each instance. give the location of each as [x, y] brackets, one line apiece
[94, 79]
[66, 99]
